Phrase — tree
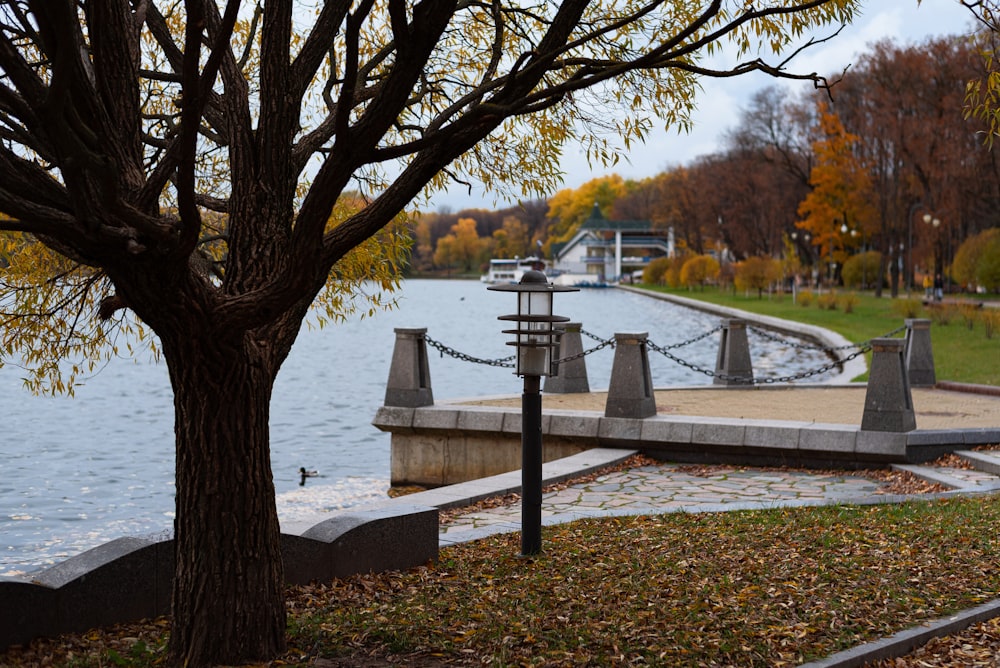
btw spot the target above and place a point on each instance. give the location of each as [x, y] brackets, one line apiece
[905, 106]
[188, 161]
[982, 98]
[757, 273]
[513, 239]
[862, 270]
[841, 196]
[697, 269]
[463, 247]
[971, 258]
[988, 269]
[569, 207]
[655, 272]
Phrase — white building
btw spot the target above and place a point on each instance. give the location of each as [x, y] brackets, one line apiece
[603, 251]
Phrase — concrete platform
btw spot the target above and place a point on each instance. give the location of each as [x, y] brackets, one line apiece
[794, 425]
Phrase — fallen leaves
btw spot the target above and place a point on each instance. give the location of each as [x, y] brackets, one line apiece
[766, 587]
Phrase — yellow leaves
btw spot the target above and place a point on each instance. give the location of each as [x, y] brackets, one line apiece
[48, 318]
[982, 95]
[841, 193]
[359, 281]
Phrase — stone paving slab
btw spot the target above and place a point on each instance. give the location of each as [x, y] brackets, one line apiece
[666, 488]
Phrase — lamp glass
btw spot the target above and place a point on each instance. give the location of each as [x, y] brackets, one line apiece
[534, 337]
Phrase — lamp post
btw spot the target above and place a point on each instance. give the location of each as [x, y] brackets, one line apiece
[938, 253]
[844, 229]
[536, 340]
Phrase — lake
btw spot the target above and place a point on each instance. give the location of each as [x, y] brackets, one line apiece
[77, 472]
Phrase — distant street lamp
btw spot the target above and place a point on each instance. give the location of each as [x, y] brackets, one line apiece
[864, 266]
[536, 340]
[939, 259]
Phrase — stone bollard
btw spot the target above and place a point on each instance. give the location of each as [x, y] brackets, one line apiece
[733, 366]
[630, 394]
[409, 382]
[570, 376]
[918, 353]
[888, 403]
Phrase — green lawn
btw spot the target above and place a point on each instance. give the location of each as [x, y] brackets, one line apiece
[961, 354]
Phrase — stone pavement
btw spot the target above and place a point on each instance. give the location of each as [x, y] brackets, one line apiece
[664, 488]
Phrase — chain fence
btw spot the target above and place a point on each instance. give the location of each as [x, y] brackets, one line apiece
[858, 348]
[505, 362]
[753, 380]
[770, 336]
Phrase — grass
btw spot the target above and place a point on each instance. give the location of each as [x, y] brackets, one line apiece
[961, 354]
[750, 588]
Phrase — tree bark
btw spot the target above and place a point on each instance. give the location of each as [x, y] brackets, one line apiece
[227, 539]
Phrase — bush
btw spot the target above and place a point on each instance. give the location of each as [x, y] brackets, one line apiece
[861, 270]
[655, 271]
[827, 301]
[908, 307]
[970, 314]
[698, 269]
[673, 275]
[991, 321]
[757, 273]
[988, 268]
[976, 254]
[849, 301]
[806, 297]
[942, 314]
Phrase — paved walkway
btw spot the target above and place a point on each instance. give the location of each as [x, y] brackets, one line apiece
[664, 488]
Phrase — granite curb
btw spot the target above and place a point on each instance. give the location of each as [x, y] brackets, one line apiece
[904, 642]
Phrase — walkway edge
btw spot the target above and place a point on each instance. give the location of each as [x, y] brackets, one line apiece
[850, 369]
[905, 642]
[555, 471]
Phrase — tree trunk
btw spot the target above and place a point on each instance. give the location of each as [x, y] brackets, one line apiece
[227, 539]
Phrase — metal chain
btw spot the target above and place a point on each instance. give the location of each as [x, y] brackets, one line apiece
[862, 348]
[595, 337]
[506, 362]
[602, 345]
[672, 346]
[757, 381]
[707, 334]
[808, 346]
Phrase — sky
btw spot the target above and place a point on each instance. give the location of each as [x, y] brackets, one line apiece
[720, 103]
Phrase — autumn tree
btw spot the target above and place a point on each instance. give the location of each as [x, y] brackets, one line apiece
[904, 103]
[512, 240]
[973, 261]
[757, 273]
[698, 269]
[841, 196]
[655, 272]
[982, 94]
[462, 248]
[569, 207]
[862, 270]
[187, 158]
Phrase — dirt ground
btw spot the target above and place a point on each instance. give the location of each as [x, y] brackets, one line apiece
[933, 408]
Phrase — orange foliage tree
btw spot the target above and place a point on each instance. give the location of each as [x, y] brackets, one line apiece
[841, 195]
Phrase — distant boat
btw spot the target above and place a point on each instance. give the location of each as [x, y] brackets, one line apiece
[504, 270]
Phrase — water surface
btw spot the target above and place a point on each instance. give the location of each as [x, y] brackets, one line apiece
[77, 472]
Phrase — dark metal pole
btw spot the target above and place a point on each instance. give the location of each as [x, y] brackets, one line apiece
[531, 466]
